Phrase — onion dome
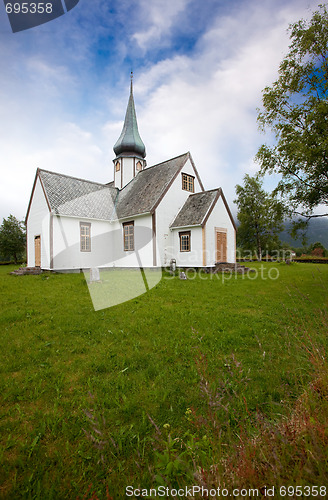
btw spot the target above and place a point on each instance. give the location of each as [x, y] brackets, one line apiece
[129, 142]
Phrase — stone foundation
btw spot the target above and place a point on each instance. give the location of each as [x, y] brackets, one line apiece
[27, 270]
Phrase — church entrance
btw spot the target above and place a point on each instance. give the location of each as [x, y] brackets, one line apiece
[37, 251]
[221, 246]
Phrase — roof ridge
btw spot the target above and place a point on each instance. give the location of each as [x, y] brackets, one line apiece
[166, 161]
[149, 168]
[72, 177]
[206, 191]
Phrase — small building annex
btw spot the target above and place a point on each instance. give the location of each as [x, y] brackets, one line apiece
[144, 218]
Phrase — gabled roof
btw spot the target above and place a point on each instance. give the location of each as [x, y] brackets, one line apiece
[145, 191]
[195, 209]
[76, 197]
[198, 208]
[95, 205]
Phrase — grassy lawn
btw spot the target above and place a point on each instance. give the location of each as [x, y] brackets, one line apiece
[69, 373]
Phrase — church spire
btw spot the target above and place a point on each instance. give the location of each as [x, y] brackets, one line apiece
[130, 151]
[129, 142]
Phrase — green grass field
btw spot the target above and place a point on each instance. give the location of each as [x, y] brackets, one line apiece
[78, 386]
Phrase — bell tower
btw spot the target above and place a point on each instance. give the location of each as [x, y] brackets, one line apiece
[129, 149]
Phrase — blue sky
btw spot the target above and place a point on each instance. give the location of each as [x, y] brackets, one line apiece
[199, 69]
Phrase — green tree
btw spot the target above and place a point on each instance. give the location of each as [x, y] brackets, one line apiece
[318, 249]
[295, 108]
[260, 215]
[12, 238]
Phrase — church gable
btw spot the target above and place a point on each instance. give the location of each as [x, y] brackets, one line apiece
[38, 194]
[74, 197]
[196, 208]
[37, 223]
[147, 189]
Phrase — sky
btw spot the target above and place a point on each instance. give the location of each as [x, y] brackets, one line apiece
[199, 70]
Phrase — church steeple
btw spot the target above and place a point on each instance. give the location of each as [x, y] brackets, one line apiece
[130, 141]
[129, 149]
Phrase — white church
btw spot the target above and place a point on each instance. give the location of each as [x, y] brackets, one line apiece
[146, 217]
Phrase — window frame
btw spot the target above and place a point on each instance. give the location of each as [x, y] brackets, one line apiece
[129, 247]
[183, 234]
[188, 183]
[85, 239]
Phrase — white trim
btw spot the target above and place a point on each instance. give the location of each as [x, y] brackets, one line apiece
[182, 227]
[80, 217]
[128, 217]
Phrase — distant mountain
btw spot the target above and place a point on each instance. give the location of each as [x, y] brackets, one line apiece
[317, 231]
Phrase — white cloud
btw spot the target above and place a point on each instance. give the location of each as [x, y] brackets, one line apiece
[160, 16]
[69, 150]
[49, 77]
[206, 102]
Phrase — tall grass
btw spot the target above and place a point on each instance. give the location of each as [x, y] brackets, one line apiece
[230, 446]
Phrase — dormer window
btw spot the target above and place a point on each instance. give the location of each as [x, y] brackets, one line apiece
[139, 166]
[188, 183]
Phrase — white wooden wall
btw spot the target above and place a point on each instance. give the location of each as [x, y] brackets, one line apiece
[38, 224]
[107, 248]
[166, 212]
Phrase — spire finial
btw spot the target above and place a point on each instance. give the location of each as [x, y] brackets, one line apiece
[131, 76]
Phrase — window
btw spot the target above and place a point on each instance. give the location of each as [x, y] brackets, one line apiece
[117, 166]
[128, 236]
[139, 166]
[85, 236]
[185, 241]
[188, 183]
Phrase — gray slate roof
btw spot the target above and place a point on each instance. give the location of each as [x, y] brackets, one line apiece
[81, 198]
[77, 197]
[195, 209]
[143, 193]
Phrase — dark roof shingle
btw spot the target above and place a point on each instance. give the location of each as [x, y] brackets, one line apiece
[77, 197]
[195, 209]
[143, 193]
[81, 198]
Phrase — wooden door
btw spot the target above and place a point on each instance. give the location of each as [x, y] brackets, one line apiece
[221, 246]
[37, 249]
